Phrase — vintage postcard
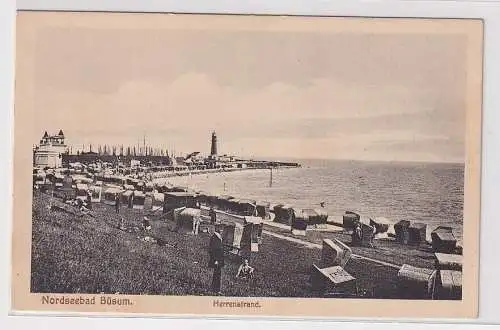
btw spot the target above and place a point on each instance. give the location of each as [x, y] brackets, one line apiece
[181, 164]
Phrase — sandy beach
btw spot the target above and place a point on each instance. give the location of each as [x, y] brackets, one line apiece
[89, 254]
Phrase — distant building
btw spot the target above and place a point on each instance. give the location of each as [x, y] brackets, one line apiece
[50, 150]
[179, 161]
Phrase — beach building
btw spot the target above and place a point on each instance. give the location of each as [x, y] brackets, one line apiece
[50, 150]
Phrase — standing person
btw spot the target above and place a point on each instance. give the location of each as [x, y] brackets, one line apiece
[89, 200]
[216, 261]
[213, 215]
[130, 201]
[196, 223]
[357, 234]
[372, 237]
[117, 203]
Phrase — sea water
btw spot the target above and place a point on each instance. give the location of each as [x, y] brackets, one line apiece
[431, 193]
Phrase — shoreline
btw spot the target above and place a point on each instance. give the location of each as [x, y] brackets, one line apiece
[162, 178]
[333, 218]
[170, 174]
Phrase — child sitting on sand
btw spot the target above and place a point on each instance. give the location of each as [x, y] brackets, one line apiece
[121, 225]
[245, 270]
[146, 225]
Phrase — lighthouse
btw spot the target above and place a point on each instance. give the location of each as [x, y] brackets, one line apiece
[213, 149]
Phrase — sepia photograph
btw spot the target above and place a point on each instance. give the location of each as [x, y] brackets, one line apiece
[228, 160]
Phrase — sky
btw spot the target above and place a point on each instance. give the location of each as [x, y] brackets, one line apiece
[326, 95]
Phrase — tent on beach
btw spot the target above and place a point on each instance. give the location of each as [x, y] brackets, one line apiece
[149, 187]
[417, 233]
[148, 202]
[256, 227]
[238, 206]
[242, 237]
[133, 182]
[229, 237]
[185, 218]
[223, 202]
[96, 193]
[162, 188]
[59, 180]
[316, 216]
[81, 191]
[138, 200]
[212, 201]
[246, 207]
[173, 200]
[179, 189]
[449, 285]
[202, 197]
[234, 237]
[128, 187]
[334, 253]
[300, 221]
[263, 210]
[40, 181]
[79, 178]
[232, 206]
[443, 239]
[127, 198]
[110, 195]
[140, 185]
[416, 283]
[158, 200]
[381, 225]
[39, 178]
[349, 220]
[333, 280]
[401, 229]
[283, 214]
[445, 261]
[166, 187]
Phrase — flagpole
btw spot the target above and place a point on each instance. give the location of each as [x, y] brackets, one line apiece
[271, 177]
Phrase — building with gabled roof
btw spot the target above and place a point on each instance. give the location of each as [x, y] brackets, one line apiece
[50, 150]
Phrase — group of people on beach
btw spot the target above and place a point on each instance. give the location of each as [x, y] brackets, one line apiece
[82, 204]
[216, 256]
[215, 248]
[216, 262]
[358, 237]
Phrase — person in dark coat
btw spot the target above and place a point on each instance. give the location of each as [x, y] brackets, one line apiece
[216, 259]
[117, 203]
[213, 215]
[130, 201]
[89, 200]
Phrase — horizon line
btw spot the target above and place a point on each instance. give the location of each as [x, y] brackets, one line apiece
[364, 160]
